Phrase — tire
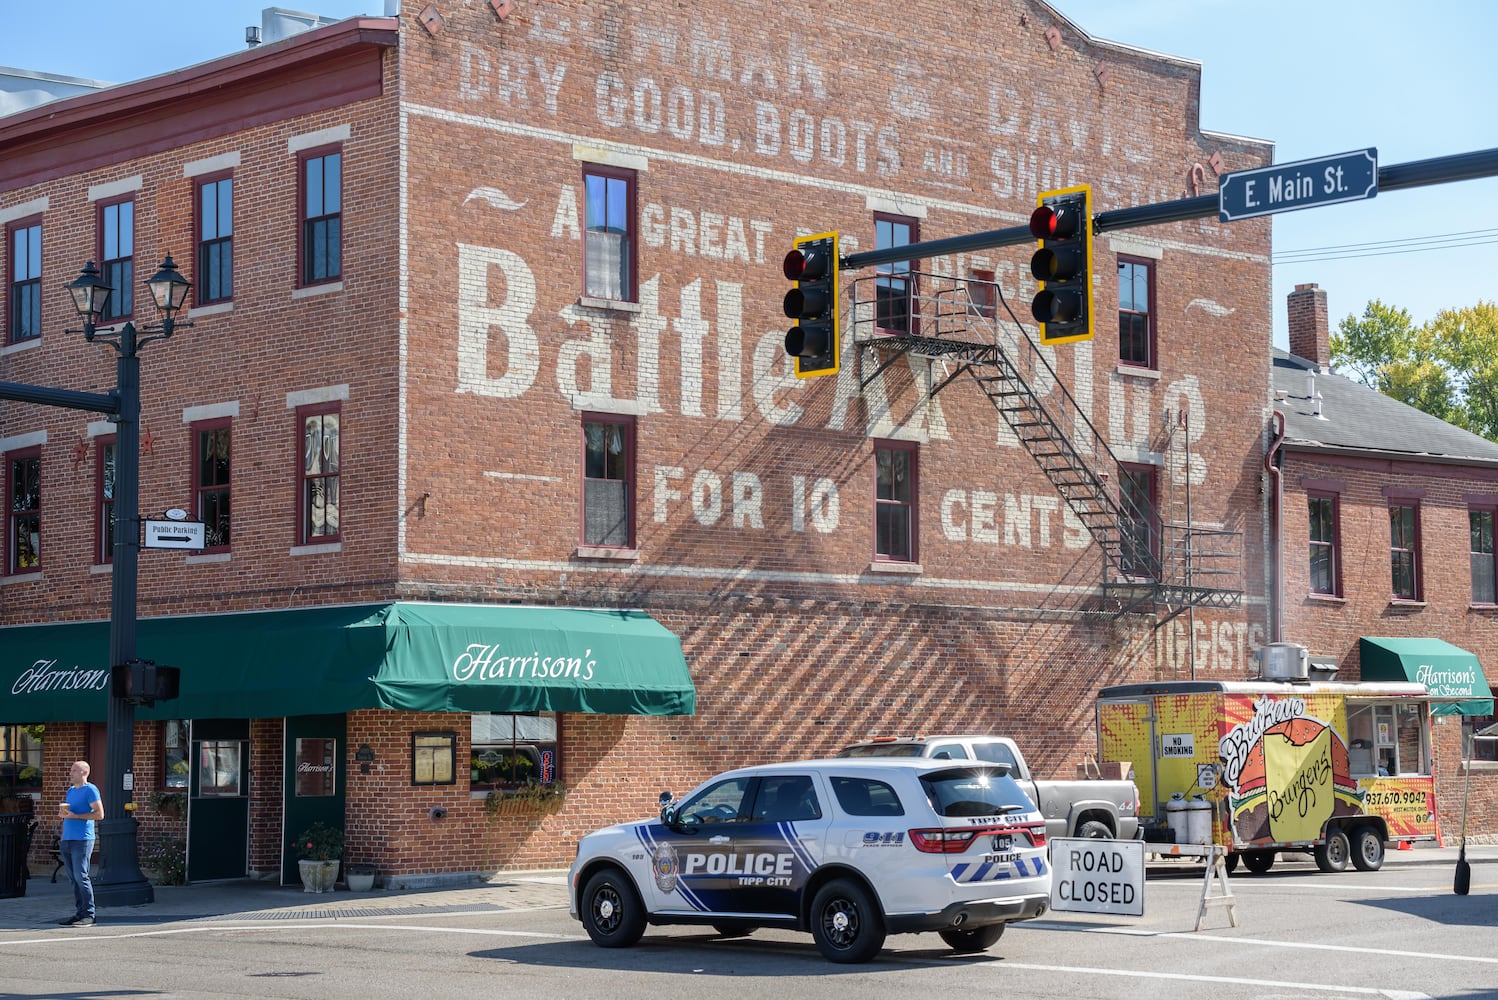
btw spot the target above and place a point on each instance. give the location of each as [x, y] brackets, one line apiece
[1231, 861]
[977, 939]
[1334, 852]
[845, 923]
[1258, 862]
[1367, 848]
[732, 930]
[611, 910]
[1094, 830]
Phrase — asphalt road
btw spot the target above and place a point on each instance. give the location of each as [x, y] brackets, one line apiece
[1399, 934]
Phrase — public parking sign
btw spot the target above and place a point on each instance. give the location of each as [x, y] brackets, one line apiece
[1097, 876]
[1284, 187]
[174, 534]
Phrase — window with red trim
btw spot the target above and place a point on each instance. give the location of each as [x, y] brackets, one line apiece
[895, 496]
[1404, 555]
[210, 481]
[117, 254]
[609, 244]
[608, 480]
[321, 198]
[318, 473]
[215, 230]
[1137, 488]
[23, 491]
[1136, 312]
[1480, 534]
[1325, 538]
[24, 242]
[895, 283]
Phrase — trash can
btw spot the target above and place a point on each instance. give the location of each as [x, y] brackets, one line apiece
[15, 845]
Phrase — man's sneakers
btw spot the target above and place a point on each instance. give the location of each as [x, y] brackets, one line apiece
[77, 922]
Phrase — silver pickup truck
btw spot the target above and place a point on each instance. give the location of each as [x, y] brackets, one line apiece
[1091, 807]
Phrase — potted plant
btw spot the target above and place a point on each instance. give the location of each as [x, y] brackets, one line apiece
[530, 798]
[361, 876]
[170, 802]
[318, 851]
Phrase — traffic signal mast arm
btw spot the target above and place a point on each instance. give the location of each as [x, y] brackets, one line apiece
[1395, 177]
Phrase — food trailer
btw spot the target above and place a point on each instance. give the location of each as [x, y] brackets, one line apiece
[1341, 769]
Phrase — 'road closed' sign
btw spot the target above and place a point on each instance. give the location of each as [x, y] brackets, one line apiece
[1098, 876]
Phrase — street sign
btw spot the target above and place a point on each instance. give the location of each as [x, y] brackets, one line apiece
[174, 534]
[1284, 187]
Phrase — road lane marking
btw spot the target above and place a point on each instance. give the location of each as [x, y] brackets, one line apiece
[1187, 977]
[259, 927]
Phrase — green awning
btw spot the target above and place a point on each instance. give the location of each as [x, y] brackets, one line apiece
[1451, 674]
[406, 656]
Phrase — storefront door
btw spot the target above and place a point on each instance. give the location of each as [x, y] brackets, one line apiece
[315, 775]
[218, 819]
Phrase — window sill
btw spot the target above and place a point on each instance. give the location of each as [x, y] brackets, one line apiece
[1138, 371]
[616, 553]
[6, 581]
[1481, 766]
[1482, 607]
[892, 568]
[316, 550]
[209, 557]
[211, 309]
[309, 291]
[1326, 599]
[608, 305]
[1398, 602]
[22, 345]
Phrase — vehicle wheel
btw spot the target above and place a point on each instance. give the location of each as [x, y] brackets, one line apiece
[1231, 861]
[977, 939]
[1094, 830]
[1367, 848]
[1333, 855]
[1258, 862]
[611, 910]
[732, 930]
[845, 923]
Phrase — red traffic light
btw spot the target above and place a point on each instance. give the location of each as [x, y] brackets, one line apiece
[1055, 222]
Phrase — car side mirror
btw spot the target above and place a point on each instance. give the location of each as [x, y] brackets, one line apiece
[666, 799]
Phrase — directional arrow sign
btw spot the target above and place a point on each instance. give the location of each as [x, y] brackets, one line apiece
[1284, 187]
[174, 534]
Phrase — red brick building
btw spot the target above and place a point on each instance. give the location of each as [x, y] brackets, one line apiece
[486, 326]
[1387, 544]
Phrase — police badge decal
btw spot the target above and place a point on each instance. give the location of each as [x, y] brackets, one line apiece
[666, 866]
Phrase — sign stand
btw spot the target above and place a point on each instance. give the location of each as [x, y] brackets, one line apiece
[1217, 871]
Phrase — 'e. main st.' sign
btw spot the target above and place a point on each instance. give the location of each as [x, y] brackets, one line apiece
[1284, 187]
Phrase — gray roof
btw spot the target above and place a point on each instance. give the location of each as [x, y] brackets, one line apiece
[1356, 420]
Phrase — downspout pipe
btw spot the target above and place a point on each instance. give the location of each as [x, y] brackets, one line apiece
[1276, 540]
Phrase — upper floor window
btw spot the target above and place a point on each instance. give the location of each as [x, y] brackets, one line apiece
[322, 216]
[1404, 561]
[1325, 564]
[608, 481]
[117, 251]
[1136, 313]
[210, 480]
[25, 293]
[1480, 530]
[23, 488]
[894, 284]
[319, 473]
[104, 518]
[609, 242]
[215, 206]
[1140, 529]
[894, 502]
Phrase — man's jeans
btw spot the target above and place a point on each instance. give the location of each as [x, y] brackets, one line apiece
[74, 857]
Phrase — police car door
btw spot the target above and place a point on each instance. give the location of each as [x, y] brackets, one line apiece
[694, 861]
[783, 842]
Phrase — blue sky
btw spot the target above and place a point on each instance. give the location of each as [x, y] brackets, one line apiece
[1313, 76]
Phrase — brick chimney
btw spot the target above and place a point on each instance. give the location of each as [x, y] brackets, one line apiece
[1310, 337]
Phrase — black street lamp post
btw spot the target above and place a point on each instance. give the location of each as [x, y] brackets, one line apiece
[120, 881]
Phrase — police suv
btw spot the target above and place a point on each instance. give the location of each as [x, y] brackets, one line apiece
[850, 850]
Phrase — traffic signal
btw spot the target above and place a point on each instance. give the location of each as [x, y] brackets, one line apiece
[1063, 265]
[813, 341]
[142, 682]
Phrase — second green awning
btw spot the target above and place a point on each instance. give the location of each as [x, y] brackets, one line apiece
[406, 656]
[1451, 674]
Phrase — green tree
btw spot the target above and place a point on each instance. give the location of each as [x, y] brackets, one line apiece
[1447, 368]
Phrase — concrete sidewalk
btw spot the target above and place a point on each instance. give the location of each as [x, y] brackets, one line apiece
[46, 902]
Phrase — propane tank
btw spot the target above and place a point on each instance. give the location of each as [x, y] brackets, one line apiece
[1198, 820]
[1175, 818]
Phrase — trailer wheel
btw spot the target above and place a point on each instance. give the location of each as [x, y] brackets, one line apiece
[1333, 854]
[1231, 861]
[1367, 848]
[1258, 862]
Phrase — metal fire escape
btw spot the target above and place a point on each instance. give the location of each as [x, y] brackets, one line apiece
[1170, 567]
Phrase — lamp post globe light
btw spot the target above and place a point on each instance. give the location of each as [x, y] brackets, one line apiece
[120, 881]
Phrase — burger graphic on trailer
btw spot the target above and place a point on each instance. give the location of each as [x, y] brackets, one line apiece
[1338, 769]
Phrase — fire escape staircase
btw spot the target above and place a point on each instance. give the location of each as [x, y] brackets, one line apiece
[1170, 567]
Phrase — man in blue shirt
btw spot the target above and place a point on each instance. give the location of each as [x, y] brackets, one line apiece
[80, 807]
